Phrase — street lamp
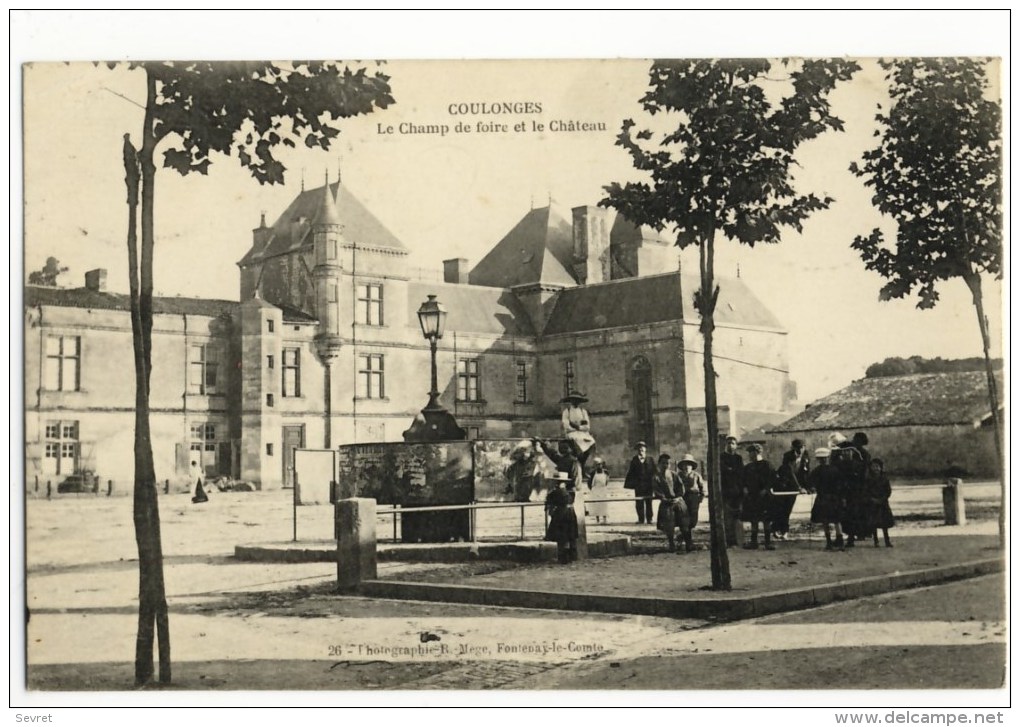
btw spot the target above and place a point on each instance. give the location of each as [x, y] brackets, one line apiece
[432, 317]
[433, 423]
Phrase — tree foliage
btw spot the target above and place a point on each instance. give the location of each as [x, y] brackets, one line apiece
[251, 108]
[726, 165]
[896, 366]
[48, 274]
[722, 164]
[937, 171]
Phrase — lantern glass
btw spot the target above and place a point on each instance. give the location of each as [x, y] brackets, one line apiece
[432, 317]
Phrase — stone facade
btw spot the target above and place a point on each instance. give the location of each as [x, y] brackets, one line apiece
[325, 347]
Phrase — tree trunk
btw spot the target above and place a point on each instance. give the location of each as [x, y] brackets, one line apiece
[973, 281]
[152, 608]
[707, 297]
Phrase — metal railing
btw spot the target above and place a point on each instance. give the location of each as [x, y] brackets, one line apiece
[396, 510]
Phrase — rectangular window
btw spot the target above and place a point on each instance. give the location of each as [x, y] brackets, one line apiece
[522, 382]
[63, 358]
[468, 388]
[568, 377]
[270, 362]
[204, 447]
[271, 324]
[203, 369]
[61, 449]
[291, 372]
[371, 376]
[269, 449]
[269, 400]
[370, 304]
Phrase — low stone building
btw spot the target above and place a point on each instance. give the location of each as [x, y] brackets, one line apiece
[324, 348]
[920, 425]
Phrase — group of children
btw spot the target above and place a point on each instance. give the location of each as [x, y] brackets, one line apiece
[852, 495]
[850, 487]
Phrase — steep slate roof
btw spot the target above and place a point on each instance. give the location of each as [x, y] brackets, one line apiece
[916, 399]
[539, 249]
[653, 299]
[737, 305]
[472, 308]
[359, 226]
[625, 302]
[36, 295]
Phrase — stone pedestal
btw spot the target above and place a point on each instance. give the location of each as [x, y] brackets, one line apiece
[952, 502]
[582, 533]
[355, 543]
[734, 529]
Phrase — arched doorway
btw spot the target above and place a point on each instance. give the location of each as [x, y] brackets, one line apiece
[642, 422]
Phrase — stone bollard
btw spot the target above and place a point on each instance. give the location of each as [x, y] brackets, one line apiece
[355, 544]
[582, 534]
[952, 502]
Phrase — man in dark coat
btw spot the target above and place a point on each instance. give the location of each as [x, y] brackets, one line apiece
[759, 479]
[732, 472]
[793, 478]
[641, 479]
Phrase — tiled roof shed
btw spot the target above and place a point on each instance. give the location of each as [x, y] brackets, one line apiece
[889, 401]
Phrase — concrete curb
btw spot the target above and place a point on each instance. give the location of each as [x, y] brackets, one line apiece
[721, 608]
[529, 552]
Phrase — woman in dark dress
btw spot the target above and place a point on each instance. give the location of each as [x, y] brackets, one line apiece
[877, 492]
[562, 528]
[759, 479]
[852, 471]
[827, 510]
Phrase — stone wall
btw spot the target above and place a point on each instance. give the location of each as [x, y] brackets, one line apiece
[912, 451]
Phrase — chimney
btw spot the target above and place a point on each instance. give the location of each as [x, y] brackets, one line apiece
[96, 280]
[591, 245]
[455, 270]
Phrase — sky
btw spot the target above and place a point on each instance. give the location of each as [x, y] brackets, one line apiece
[457, 194]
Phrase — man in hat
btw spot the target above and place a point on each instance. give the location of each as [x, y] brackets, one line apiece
[793, 478]
[577, 425]
[759, 479]
[641, 479]
[732, 478]
[672, 508]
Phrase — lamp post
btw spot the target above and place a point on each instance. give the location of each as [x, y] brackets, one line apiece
[432, 318]
[434, 423]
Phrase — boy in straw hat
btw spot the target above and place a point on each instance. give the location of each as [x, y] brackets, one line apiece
[693, 486]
